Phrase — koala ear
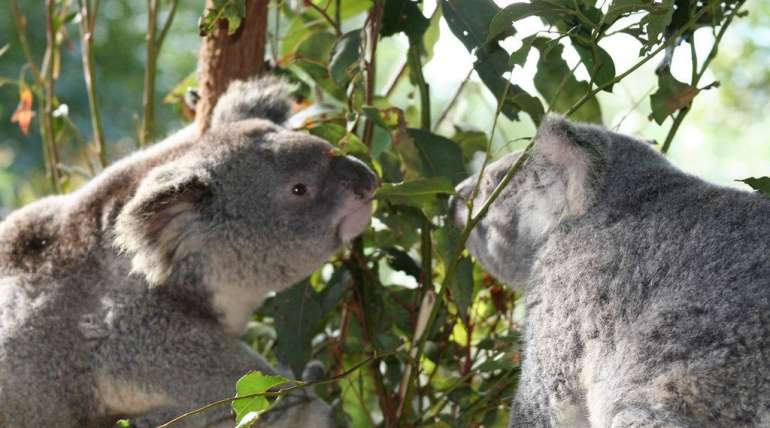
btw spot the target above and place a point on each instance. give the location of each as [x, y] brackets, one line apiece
[265, 97]
[159, 224]
[561, 145]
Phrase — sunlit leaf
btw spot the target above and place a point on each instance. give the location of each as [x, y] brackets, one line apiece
[247, 410]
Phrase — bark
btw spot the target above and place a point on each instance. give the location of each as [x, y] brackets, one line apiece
[224, 58]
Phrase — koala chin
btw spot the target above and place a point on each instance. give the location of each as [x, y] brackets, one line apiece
[647, 290]
[126, 299]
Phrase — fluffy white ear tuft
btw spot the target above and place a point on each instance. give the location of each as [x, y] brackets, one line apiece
[559, 145]
[162, 220]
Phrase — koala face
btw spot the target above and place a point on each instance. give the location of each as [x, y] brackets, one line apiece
[553, 183]
[251, 205]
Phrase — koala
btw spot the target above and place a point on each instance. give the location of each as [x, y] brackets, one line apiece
[126, 298]
[646, 290]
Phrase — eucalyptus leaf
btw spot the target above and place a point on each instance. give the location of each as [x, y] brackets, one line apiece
[247, 410]
[423, 186]
[470, 22]
[671, 96]
[345, 57]
[760, 184]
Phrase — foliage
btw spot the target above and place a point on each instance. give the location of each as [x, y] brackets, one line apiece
[414, 331]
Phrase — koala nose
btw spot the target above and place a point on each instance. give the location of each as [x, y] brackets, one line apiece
[355, 175]
[457, 207]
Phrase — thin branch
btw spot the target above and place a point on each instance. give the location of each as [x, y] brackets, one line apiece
[297, 384]
[636, 66]
[48, 91]
[87, 23]
[21, 30]
[334, 23]
[370, 64]
[696, 77]
[453, 101]
[148, 98]
[167, 24]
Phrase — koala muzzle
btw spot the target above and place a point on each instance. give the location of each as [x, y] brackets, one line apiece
[355, 175]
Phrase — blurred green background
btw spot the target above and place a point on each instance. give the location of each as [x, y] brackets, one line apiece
[723, 139]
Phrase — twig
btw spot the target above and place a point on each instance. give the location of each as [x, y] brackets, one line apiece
[154, 44]
[21, 30]
[48, 91]
[297, 384]
[334, 23]
[370, 64]
[636, 66]
[88, 12]
[696, 77]
[453, 101]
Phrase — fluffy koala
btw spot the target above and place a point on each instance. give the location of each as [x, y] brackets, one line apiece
[647, 290]
[127, 297]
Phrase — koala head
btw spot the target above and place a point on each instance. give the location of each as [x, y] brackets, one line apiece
[250, 204]
[558, 180]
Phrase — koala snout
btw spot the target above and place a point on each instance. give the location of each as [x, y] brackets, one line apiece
[457, 208]
[355, 175]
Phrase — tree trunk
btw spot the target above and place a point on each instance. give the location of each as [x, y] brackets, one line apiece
[224, 58]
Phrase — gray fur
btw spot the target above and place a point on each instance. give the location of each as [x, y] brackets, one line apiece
[647, 290]
[265, 97]
[127, 297]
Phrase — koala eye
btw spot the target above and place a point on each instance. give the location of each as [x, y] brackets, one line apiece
[299, 189]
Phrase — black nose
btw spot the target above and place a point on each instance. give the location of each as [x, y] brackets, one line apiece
[354, 175]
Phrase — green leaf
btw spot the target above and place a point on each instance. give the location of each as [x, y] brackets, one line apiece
[247, 410]
[671, 96]
[423, 186]
[558, 85]
[519, 56]
[760, 184]
[470, 142]
[403, 16]
[417, 193]
[298, 314]
[656, 22]
[345, 57]
[597, 61]
[502, 24]
[123, 423]
[469, 22]
[440, 156]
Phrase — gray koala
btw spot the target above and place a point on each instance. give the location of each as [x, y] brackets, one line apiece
[647, 290]
[127, 297]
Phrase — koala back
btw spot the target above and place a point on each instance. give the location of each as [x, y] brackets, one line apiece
[644, 285]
